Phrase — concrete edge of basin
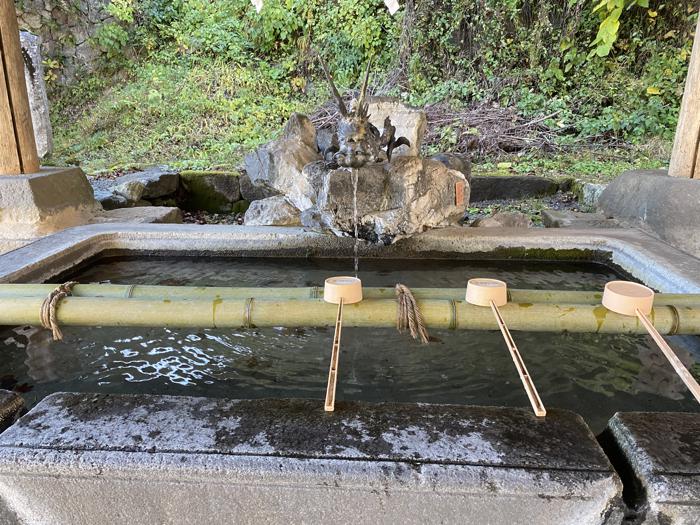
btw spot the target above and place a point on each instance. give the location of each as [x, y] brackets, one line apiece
[658, 459]
[82, 458]
[652, 261]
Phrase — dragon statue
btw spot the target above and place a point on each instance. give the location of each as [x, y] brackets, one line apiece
[357, 141]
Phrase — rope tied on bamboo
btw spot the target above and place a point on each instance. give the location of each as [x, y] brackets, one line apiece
[408, 315]
[48, 313]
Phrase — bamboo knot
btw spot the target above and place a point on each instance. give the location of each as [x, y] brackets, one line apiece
[408, 315]
[48, 313]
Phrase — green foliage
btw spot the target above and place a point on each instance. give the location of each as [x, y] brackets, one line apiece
[610, 13]
[202, 80]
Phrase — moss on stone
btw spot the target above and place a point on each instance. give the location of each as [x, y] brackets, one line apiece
[201, 191]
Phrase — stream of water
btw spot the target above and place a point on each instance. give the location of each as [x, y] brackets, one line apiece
[356, 246]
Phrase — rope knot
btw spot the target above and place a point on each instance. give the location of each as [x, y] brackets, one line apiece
[409, 316]
[48, 314]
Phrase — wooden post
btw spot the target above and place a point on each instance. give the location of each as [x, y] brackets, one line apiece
[685, 159]
[17, 147]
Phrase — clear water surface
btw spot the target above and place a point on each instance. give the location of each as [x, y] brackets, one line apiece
[594, 375]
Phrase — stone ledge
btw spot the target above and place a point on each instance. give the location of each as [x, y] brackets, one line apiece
[40, 203]
[665, 205]
[486, 188]
[660, 453]
[81, 457]
[141, 215]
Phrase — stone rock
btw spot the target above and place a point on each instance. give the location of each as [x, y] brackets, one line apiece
[394, 200]
[461, 163]
[658, 451]
[148, 184]
[588, 193]
[410, 122]
[110, 200]
[36, 89]
[278, 166]
[511, 187]
[657, 202]
[45, 202]
[142, 215]
[576, 219]
[251, 192]
[511, 219]
[273, 211]
[212, 191]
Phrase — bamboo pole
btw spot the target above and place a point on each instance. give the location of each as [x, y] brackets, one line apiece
[198, 292]
[437, 313]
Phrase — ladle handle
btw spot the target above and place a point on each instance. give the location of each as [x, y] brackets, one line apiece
[333, 371]
[529, 386]
[676, 363]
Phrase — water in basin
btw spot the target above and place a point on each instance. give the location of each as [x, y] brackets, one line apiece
[592, 374]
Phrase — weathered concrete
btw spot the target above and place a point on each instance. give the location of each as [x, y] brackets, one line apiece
[486, 188]
[87, 458]
[11, 405]
[660, 454]
[40, 203]
[665, 205]
[644, 257]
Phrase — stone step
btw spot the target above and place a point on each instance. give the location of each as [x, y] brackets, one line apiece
[83, 458]
[573, 219]
[140, 215]
[660, 455]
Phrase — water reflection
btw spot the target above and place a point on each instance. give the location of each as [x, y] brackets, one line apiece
[594, 375]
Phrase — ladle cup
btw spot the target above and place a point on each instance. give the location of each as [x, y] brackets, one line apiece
[338, 290]
[494, 293]
[633, 299]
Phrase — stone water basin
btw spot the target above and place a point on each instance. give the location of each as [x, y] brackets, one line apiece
[594, 375]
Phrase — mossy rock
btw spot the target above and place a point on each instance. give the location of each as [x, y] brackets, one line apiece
[240, 206]
[212, 191]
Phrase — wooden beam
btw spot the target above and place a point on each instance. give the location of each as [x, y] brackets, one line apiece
[20, 155]
[685, 159]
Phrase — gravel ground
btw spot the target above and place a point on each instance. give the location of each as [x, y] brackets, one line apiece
[203, 217]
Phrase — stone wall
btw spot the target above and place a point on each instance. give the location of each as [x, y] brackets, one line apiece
[66, 28]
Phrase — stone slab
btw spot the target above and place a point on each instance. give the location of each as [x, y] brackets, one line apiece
[41, 203]
[661, 452]
[485, 188]
[86, 458]
[141, 215]
[576, 219]
[664, 205]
